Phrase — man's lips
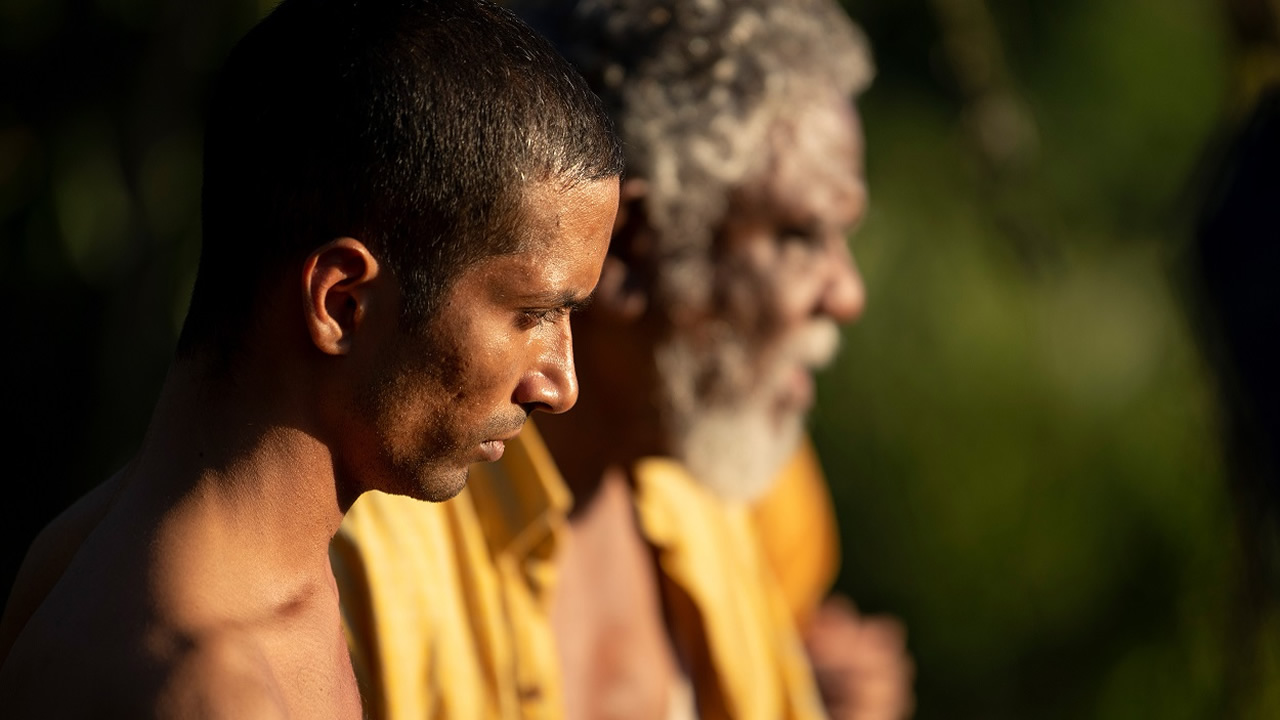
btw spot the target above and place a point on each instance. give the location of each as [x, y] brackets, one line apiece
[492, 449]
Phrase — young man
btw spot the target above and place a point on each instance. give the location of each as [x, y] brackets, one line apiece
[614, 571]
[402, 203]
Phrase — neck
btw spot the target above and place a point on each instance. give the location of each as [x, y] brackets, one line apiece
[231, 461]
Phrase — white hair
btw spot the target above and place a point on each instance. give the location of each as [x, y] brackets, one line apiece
[695, 88]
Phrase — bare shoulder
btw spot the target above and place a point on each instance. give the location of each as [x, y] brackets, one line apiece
[221, 675]
[48, 557]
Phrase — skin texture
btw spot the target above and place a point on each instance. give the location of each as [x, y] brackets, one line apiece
[196, 582]
[781, 266]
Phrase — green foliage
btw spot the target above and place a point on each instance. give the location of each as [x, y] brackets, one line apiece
[1021, 434]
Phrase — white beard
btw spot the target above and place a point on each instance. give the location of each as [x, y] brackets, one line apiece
[723, 422]
[737, 453]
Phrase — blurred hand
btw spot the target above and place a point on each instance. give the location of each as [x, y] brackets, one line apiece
[860, 662]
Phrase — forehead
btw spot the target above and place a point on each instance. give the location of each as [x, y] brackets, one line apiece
[815, 166]
[565, 219]
[564, 233]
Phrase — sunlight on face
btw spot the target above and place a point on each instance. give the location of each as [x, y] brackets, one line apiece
[499, 349]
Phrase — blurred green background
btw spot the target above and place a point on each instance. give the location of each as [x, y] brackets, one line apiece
[1024, 434]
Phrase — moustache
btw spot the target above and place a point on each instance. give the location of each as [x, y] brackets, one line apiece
[815, 345]
[506, 426]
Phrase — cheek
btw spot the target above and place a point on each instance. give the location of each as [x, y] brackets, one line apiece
[459, 359]
[753, 295]
[762, 285]
[400, 410]
[488, 372]
[797, 284]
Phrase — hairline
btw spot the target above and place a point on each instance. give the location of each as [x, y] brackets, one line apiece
[516, 221]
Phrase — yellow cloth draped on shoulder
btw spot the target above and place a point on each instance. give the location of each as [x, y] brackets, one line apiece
[446, 605]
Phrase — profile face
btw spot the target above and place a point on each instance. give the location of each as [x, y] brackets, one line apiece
[499, 349]
[783, 280]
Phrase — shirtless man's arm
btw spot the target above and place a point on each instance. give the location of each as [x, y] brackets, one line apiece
[48, 557]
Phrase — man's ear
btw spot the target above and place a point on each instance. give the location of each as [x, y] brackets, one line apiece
[337, 284]
[627, 276]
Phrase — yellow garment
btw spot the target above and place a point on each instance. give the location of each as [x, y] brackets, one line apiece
[447, 606]
[797, 527]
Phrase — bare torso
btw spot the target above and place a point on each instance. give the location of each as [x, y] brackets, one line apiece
[617, 657]
[127, 609]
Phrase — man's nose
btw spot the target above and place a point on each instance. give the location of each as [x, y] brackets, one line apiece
[843, 296]
[552, 384]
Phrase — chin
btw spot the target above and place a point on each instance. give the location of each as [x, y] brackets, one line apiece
[431, 483]
[443, 485]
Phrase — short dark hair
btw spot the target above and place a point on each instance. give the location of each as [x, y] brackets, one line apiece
[412, 125]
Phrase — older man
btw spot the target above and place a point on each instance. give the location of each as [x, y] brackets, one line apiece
[402, 202]
[610, 568]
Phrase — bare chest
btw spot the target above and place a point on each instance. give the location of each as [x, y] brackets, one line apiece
[330, 693]
[125, 659]
[308, 660]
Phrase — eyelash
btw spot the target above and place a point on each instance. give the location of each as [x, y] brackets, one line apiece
[541, 316]
[806, 238]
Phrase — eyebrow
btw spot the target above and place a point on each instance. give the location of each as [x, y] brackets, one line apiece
[567, 300]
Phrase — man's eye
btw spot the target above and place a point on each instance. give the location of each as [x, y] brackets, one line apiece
[802, 237]
[540, 316]
[799, 247]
